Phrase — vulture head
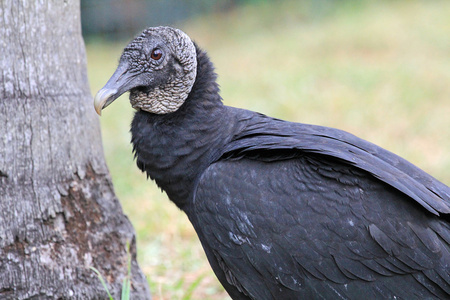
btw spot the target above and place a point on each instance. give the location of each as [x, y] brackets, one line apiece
[158, 68]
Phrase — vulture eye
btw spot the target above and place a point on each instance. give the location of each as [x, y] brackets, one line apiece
[156, 54]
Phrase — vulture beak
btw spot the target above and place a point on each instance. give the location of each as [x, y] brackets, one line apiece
[104, 98]
[120, 82]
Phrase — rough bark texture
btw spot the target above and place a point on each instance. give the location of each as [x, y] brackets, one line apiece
[58, 211]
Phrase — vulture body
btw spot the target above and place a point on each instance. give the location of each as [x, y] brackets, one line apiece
[283, 210]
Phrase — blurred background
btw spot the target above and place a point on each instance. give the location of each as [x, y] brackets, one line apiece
[378, 69]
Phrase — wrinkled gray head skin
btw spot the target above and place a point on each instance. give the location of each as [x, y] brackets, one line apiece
[158, 68]
[178, 50]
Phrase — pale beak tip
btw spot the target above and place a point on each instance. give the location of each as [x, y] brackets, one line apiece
[98, 109]
[103, 98]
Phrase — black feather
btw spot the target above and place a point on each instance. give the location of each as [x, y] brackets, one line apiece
[287, 210]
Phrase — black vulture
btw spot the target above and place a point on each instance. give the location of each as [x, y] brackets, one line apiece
[283, 210]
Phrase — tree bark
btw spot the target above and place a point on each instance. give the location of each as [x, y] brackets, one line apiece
[58, 211]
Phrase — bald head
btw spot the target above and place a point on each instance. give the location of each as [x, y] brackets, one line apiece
[158, 68]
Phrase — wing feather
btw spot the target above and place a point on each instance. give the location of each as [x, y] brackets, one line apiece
[258, 134]
[310, 224]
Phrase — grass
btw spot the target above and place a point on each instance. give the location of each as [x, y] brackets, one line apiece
[126, 284]
[378, 70]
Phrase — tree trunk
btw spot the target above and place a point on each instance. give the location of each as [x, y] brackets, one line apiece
[58, 211]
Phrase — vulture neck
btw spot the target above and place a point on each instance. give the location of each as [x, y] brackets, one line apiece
[175, 148]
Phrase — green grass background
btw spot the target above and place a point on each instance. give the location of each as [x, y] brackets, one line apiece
[378, 70]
